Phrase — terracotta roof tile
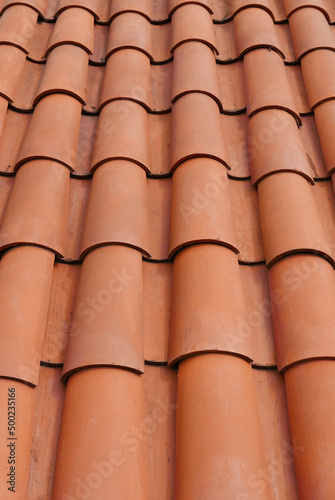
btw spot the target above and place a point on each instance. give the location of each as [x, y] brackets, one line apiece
[167, 236]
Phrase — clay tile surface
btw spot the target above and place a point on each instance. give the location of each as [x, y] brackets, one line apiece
[167, 249]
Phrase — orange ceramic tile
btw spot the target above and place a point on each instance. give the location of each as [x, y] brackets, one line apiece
[122, 133]
[279, 450]
[208, 310]
[40, 40]
[310, 400]
[196, 130]
[160, 398]
[66, 71]
[201, 29]
[39, 5]
[6, 186]
[157, 279]
[159, 213]
[143, 7]
[107, 318]
[159, 137]
[127, 76]
[11, 66]
[175, 4]
[296, 81]
[194, 70]
[95, 7]
[160, 37]
[232, 90]
[245, 216]
[259, 305]
[267, 84]
[88, 124]
[224, 36]
[236, 138]
[161, 84]
[319, 76]
[289, 218]
[100, 44]
[95, 77]
[254, 28]
[310, 139]
[325, 6]
[18, 34]
[325, 201]
[310, 31]
[31, 77]
[119, 189]
[225, 10]
[36, 211]
[302, 320]
[130, 30]
[216, 454]
[78, 198]
[106, 406]
[53, 131]
[13, 132]
[201, 207]
[325, 120]
[74, 26]
[61, 305]
[25, 281]
[275, 145]
[15, 439]
[46, 426]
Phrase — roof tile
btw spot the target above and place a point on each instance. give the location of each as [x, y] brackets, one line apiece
[319, 76]
[143, 7]
[130, 30]
[107, 318]
[11, 66]
[159, 208]
[18, 34]
[325, 121]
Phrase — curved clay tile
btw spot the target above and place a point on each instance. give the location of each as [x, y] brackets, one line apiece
[310, 31]
[30, 80]
[53, 131]
[40, 40]
[275, 145]
[311, 405]
[311, 141]
[161, 83]
[293, 5]
[224, 11]
[24, 397]
[157, 280]
[66, 72]
[216, 454]
[107, 317]
[235, 131]
[91, 6]
[117, 210]
[99, 451]
[65, 279]
[160, 36]
[142, 7]
[36, 211]
[259, 304]
[267, 83]
[130, 30]
[39, 5]
[200, 29]
[127, 76]
[289, 218]
[254, 28]
[159, 205]
[25, 282]
[200, 208]
[10, 143]
[100, 43]
[175, 4]
[303, 320]
[272, 409]
[160, 386]
[122, 133]
[196, 130]
[74, 26]
[194, 70]
[325, 122]
[226, 45]
[208, 310]
[245, 216]
[232, 88]
[159, 132]
[47, 420]
[318, 69]
[18, 34]
[12, 62]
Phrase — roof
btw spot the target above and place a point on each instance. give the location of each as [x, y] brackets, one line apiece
[167, 249]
